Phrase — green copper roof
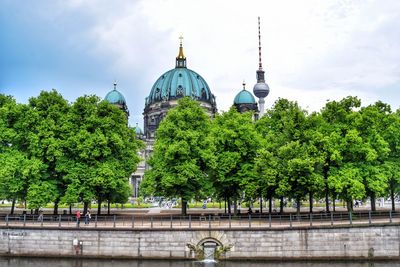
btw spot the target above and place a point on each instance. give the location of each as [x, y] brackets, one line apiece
[244, 97]
[180, 82]
[115, 97]
[138, 130]
[177, 83]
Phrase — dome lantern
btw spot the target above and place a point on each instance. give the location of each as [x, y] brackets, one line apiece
[180, 59]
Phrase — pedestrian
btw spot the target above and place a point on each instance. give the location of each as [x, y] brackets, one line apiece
[87, 217]
[40, 217]
[78, 218]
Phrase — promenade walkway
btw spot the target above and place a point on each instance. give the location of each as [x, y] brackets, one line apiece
[161, 219]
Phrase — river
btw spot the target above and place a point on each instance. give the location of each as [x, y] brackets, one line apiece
[52, 262]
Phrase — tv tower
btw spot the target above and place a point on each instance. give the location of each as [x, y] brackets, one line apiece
[261, 89]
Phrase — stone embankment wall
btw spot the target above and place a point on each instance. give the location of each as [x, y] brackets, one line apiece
[374, 242]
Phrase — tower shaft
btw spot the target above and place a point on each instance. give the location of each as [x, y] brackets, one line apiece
[261, 89]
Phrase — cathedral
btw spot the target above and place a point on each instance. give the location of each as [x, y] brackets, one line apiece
[175, 84]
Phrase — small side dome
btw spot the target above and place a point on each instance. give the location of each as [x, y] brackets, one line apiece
[244, 97]
[115, 97]
[245, 101]
[138, 130]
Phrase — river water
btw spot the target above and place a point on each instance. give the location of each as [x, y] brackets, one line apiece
[41, 262]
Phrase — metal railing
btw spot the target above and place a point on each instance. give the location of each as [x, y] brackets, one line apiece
[203, 221]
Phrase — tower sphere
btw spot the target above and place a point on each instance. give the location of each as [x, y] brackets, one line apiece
[261, 90]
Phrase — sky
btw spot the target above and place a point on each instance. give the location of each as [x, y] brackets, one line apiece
[312, 50]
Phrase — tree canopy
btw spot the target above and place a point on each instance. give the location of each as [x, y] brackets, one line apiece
[183, 154]
[54, 151]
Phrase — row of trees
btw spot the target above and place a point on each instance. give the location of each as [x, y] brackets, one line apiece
[345, 151]
[53, 151]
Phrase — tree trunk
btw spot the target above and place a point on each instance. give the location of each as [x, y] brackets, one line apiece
[85, 207]
[334, 201]
[225, 203]
[327, 201]
[326, 169]
[281, 205]
[270, 204]
[261, 205]
[12, 206]
[298, 206]
[392, 194]
[373, 202]
[311, 201]
[99, 206]
[235, 210]
[349, 204]
[55, 210]
[184, 207]
[229, 205]
[108, 206]
[70, 209]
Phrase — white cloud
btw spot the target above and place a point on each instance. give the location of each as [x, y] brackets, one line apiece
[312, 50]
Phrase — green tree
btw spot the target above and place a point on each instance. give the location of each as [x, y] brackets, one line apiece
[100, 152]
[8, 118]
[19, 169]
[17, 175]
[348, 178]
[183, 152]
[236, 143]
[288, 169]
[392, 163]
[325, 139]
[372, 124]
[267, 166]
[45, 144]
[336, 139]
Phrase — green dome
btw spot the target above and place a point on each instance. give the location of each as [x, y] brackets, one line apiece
[244, 97]
[138, 130]
[115, 97]
[177, 83]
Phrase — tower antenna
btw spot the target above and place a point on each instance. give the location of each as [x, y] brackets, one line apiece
[259, 45]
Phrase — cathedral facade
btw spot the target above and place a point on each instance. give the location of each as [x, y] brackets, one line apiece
[178, 83]
[171, 86]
